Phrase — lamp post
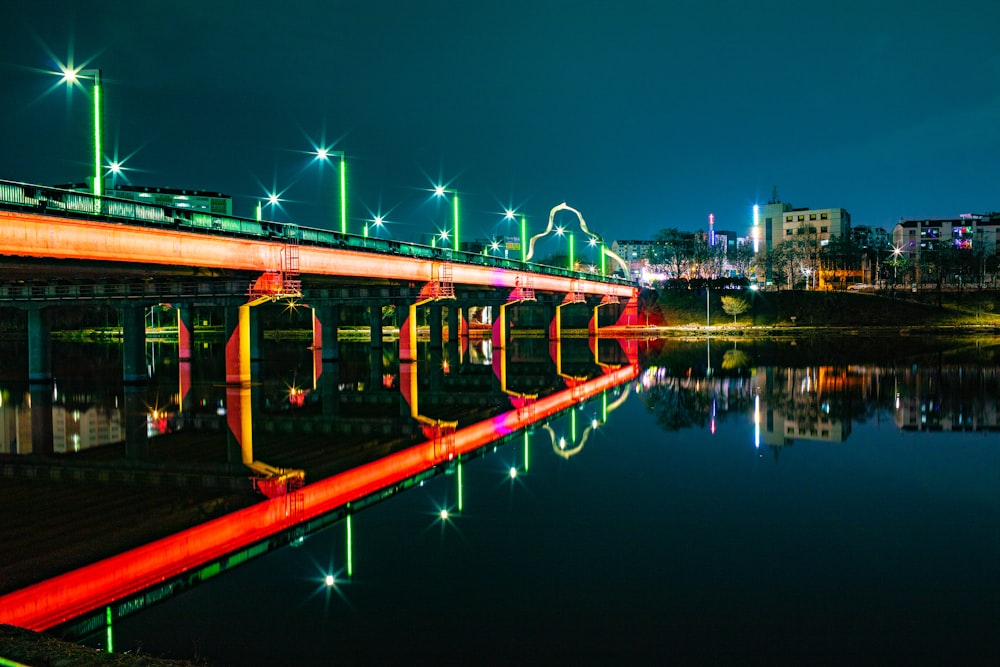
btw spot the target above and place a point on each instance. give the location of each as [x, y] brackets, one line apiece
[324, 155]
[511, 214]
[72, 77]
[441, 191]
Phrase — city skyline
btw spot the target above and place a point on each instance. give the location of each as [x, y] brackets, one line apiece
[641, 116]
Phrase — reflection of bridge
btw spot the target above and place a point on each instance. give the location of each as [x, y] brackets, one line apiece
[60, 247]
[57, 600]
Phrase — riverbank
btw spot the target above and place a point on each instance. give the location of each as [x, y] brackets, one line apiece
[35, 649]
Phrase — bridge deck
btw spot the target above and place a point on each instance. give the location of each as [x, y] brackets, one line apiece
[41, 236]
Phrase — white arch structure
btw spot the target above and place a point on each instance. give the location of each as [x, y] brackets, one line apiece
[583, 226]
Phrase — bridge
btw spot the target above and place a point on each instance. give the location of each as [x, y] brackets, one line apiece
[58, 246]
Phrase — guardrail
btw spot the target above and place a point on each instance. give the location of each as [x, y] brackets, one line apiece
[68, 203]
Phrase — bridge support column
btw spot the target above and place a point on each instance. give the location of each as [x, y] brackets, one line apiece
[39, 347]
[135, 375]
[40, 382]
[375, 320]
[185, 331]
[256, 334]
[453, 322]
[134, 344]
[554, 317]
[501, 324]
[454, 335]
[436, 326]
[238, 397]
[326, 319]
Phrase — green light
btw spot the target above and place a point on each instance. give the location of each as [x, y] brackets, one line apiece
[572, 426]
[107, 616]
[98, 148]
[456, 223]
[366, 230]
[603, 269]
[526, 451]
[524, 239]
[572, 262]
[460, 489]
[343, 194]
[258, 211]
[350, 548]
[604, 407]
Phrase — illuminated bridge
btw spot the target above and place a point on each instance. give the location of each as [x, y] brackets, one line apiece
[58, 245]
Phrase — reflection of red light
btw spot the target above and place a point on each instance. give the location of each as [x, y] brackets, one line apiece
[64, 597]
[297, 397]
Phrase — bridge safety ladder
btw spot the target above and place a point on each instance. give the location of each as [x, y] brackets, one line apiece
[575, 294]
[441, 276]
[294, 498]
[524, 289]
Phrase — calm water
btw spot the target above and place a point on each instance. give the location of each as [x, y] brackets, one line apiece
[824, 509]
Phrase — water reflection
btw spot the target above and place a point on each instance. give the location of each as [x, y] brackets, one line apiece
[817, 401]
[412, 420]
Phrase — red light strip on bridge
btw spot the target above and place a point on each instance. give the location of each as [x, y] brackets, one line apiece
[66, 596]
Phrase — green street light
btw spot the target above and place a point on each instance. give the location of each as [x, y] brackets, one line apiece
[510, 214]
[441, 191]
[72, 77]
[324, 154]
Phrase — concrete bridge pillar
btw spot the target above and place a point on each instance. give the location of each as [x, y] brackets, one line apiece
[553, 316]
[134, 344]
[39, 347]
[40, 381]
[435, 325]
[326, 319]
[453, 330]
[185, 331]
[256, 334]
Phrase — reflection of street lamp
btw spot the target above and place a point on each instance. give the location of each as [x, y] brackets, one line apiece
[72, 76]
[324, 155]
[441, 191]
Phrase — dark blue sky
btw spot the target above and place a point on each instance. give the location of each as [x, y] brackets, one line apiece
[643, 115]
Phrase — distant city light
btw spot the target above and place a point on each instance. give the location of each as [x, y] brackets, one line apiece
[329, 581]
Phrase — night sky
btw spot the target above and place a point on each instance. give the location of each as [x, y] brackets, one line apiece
[642, 115]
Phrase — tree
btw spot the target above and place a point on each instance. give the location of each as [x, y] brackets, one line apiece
[735, 305]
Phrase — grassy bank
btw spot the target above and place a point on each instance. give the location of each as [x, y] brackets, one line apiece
[781, 309]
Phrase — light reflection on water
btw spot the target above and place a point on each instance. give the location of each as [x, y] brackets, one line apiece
[808, 513]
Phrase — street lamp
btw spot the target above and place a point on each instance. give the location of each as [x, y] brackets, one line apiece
[441, 191]
[377, 223]
[324, 154]
[510, 214]
[72, 77]
[272, 201]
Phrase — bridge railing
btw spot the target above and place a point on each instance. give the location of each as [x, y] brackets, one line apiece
[68, 203]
